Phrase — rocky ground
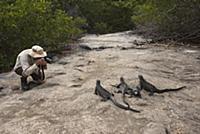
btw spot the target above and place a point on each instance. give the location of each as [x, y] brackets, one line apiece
[66, 103]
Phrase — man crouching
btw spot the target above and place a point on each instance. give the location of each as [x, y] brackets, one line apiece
[31, 62]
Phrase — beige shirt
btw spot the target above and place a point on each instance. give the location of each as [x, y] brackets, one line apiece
[26, 62]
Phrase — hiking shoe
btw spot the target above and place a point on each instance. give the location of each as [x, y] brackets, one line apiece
[24, 84]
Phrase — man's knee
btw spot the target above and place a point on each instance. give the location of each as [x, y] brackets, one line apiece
[35, 76]
[38, 76]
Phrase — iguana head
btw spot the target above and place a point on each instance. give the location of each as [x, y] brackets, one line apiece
[121, 79]
[140, 77]
[98, 82]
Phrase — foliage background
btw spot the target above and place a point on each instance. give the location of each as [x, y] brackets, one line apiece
[52, 23]
[25, 22]
[176, 19]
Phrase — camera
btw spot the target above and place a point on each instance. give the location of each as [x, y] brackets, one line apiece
[48, 60]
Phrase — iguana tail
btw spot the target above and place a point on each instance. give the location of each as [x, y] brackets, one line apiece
[122, 106]
[169, 90]
[124, 100]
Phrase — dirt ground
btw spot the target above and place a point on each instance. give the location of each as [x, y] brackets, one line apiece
[66, 103]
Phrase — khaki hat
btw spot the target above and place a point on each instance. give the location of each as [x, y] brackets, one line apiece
[37, 52]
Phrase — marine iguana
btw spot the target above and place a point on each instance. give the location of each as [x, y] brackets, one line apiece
[143, 84]
[99, 90]
[124, 88]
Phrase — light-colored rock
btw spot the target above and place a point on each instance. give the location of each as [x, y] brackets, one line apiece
[66, 103]
[154, 128]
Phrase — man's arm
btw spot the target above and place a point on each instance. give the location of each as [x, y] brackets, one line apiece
[27, 69]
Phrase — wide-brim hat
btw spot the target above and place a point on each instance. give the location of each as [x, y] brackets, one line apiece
[37, 52]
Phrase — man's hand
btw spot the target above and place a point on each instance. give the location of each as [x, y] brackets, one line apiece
[40, 62]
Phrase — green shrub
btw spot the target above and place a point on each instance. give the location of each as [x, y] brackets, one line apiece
[25, 22]
[178, 19]
[101, 28]
[114, 15]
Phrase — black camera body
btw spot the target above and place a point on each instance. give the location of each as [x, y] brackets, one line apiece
[48, 60]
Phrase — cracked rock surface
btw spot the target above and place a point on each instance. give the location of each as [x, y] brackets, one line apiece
[66, 103]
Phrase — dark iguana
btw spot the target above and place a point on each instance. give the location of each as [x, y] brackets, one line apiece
[143, 84]
[124, 88]
[99, 90]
